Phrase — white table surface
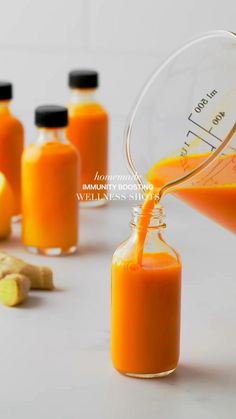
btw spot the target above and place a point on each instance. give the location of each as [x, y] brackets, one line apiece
[54, 351]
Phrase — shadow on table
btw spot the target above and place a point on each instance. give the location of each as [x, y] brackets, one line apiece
[33, 301]
[216, 376]
[95, 248]
[12, 241]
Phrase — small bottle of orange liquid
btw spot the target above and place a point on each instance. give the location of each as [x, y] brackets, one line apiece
[11, 145]
[146, 291]
[49, 186]
[88, 131]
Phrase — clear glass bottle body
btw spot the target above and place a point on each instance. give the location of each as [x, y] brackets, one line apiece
[11, 148]
[49, 188]
[88, 132]
[146, 294]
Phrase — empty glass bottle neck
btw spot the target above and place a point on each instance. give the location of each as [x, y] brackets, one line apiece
[150, 220]
[82, 96]
[51, 135]
[4, 106]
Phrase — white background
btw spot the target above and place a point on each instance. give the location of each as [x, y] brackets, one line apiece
[40, 41]
[54, 350]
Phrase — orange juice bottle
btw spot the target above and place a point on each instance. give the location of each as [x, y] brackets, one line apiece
[88, 131]
[146, 291]
[49, 186]
[11, 145]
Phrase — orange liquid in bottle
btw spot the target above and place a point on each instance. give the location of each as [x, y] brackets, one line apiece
[11, 148]
[146, 293]
[49, 186]
[213, 193]
[146, 315]
[88, 131]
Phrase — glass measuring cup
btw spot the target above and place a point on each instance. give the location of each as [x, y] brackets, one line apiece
[180, 134]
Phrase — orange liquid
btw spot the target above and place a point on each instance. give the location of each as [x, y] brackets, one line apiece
[88, 131]
[11, 148]
[148, 205]
[146, 286]
[146, 314]
[146, 301]
[213, 193]
[49, 186]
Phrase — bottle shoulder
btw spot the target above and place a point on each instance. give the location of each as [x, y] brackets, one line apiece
[16, 119]
[156, 253]
[87, 110]
[50, 149]
[10, 121]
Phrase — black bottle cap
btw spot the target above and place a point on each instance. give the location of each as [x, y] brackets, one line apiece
[83, 79]
[51, 116]
[5, 90]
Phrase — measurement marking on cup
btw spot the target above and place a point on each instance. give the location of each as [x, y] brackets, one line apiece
[204, 101]
[218, 118]
[202, 139]
[208, 132]
[212, 94]
[215, 121]
[204, 129]
[211, 176]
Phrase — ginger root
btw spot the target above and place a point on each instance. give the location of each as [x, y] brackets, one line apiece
[40, 276]
[14, 289]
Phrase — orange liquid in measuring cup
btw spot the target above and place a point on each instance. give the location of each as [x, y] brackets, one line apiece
[213, 193]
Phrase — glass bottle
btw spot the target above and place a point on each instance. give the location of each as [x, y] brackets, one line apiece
[88, 131]
[146, 294]
[49, 187]
[11, 145]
